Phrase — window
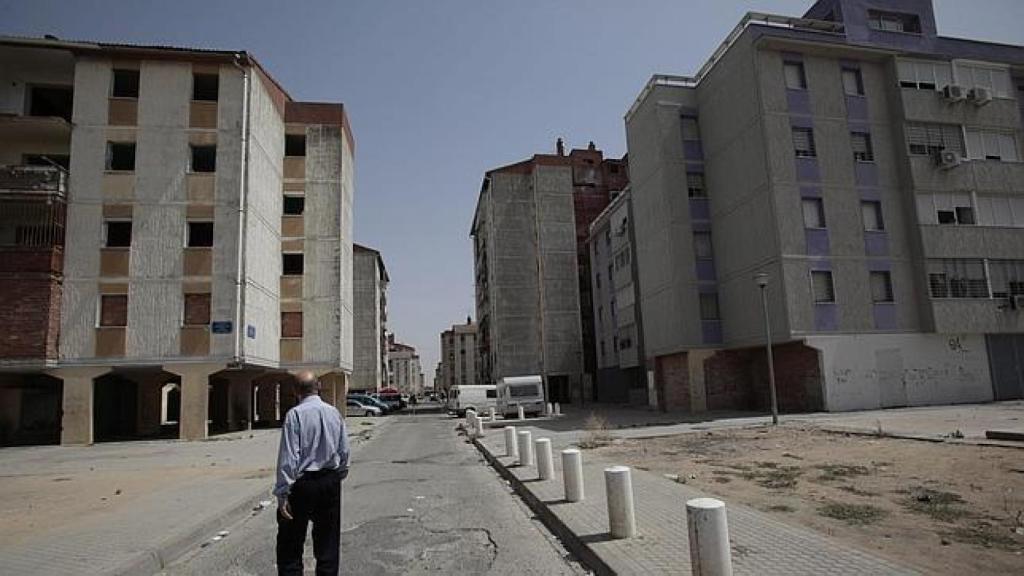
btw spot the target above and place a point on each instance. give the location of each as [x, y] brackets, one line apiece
[881, 286]
[861, 143]
[1000, 210]
[118, 234]
[871, 215]
[894, 21]
[126, 84]
[853, 83]
[955, 208]
[114, 310]
[294, 205]
[602, 349]
[50, 101]
[814, 213]
[205, 87]
[957, 278]
[294, 144]
[197, 310]
[292, 264]
[709, 306]
[691, 131]
[928, 139]
[803, 143]
[695, 185]
[991, 145]
[702, 245]
[487, 393]
[291, 324]
[1007, 278]
[200, 235]
[204, 158]
[924, 74]
[121, 156]
[821, 283]
[996, 79]
[793, 72]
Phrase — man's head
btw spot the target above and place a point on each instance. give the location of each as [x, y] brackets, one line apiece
[307, 384]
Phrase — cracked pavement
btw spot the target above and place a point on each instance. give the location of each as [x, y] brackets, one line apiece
[419, 500]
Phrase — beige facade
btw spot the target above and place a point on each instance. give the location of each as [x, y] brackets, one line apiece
[370, 346]
[184, 170]
[404, 371]
[458, 366]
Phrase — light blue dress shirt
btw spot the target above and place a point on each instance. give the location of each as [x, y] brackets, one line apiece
[313, 437]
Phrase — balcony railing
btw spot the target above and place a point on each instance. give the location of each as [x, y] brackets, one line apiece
[48, 180]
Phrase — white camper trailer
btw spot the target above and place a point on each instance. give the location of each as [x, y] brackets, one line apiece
[525, 391]
[475, 397]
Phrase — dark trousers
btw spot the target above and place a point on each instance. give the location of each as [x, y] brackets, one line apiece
[316, 497]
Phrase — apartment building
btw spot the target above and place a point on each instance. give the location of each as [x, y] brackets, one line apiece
[176, 241]
[532, 267]
[370, 344]
[458, 366]
[618, 330]
[872, 168]
[404, 371]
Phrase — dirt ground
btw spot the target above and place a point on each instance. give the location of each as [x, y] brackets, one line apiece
[942, 508]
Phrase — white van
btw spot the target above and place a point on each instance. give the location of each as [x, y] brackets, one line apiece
[525, 391]
[476, 397]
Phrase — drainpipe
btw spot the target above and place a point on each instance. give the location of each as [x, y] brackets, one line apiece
[242, 214]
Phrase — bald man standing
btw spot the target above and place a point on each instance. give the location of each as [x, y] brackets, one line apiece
[311, 463]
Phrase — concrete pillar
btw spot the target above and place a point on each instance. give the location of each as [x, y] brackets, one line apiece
[522, 414]
[545, 463]
[618, 485]
[709, 537]
[479, 427]
[195, 398]
[549, 409]
[558, 409]
[525, 448]
[492, 414]
[511, 447]
[77, 403]
[572, 473]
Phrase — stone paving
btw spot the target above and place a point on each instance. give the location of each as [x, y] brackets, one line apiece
[760, 544]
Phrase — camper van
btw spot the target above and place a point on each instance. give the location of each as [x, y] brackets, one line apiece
[476, 397]
[525, 391]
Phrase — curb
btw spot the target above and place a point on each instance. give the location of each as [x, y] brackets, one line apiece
[551, 521]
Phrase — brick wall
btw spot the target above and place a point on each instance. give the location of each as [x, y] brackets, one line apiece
[738, 379]
[672, 376]
[30, 294]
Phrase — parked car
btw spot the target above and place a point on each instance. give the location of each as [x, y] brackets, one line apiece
[370, 401]
[355, 408]
[392, 399]
[525, 391]
[475, 397]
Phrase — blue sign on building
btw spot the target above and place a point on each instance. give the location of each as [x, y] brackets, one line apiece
[250, 331]
[221, 327]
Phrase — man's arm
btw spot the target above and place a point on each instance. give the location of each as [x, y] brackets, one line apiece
[343, 449]
[287, 457]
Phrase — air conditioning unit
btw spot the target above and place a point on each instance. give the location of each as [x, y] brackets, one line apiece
[981, 96]
[1016, 301]
[947, 159]
[954, 93]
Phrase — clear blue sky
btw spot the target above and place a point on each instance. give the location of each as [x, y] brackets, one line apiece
[438, 91]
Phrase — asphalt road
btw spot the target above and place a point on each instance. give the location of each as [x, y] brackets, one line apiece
[418, 500]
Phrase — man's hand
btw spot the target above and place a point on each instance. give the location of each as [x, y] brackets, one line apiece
[285, 510]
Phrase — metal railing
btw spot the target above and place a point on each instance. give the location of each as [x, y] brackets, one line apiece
[33, 180]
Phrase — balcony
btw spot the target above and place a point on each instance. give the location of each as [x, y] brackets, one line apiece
[33, 181]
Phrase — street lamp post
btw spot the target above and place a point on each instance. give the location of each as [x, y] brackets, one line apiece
[762, 282]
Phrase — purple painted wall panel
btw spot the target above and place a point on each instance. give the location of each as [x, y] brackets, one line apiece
[879, 265]
[807, 170]
[819, 264]
[700, 209]
[799, 101]
[692, 150]
[876, 243]
[817, 242]
[865, 173]
[825, 317]
[801, 121]
[810, 192]
[885, 316]
[870, 194]
[711, 330]
[706, 271]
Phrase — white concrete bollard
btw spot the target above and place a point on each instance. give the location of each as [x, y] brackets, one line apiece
[618, 485]
[549, 409]
[525, 448]
[522, 413]
[493, 416]
[479, 427]
[545, 463]
[511, 448]
[709, 537]
[572, 473]
[558, 409]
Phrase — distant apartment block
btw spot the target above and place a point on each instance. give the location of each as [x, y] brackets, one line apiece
[175, 241]
[369, 296]
[404, 371]
[872, 168]
[532, 267]
[459, 358]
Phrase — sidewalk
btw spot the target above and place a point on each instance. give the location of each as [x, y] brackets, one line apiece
[760, 545]
[132, 507]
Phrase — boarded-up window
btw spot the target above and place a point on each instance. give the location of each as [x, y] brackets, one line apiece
[114, 310]
[291, 324]
[824, 291]
[197, 309]
[794, 74]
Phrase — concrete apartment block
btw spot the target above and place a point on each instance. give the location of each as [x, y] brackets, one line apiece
[872, 169]
[532, 267]
[404, 371]
[458, 366]
[166, 273]
[370, 345]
